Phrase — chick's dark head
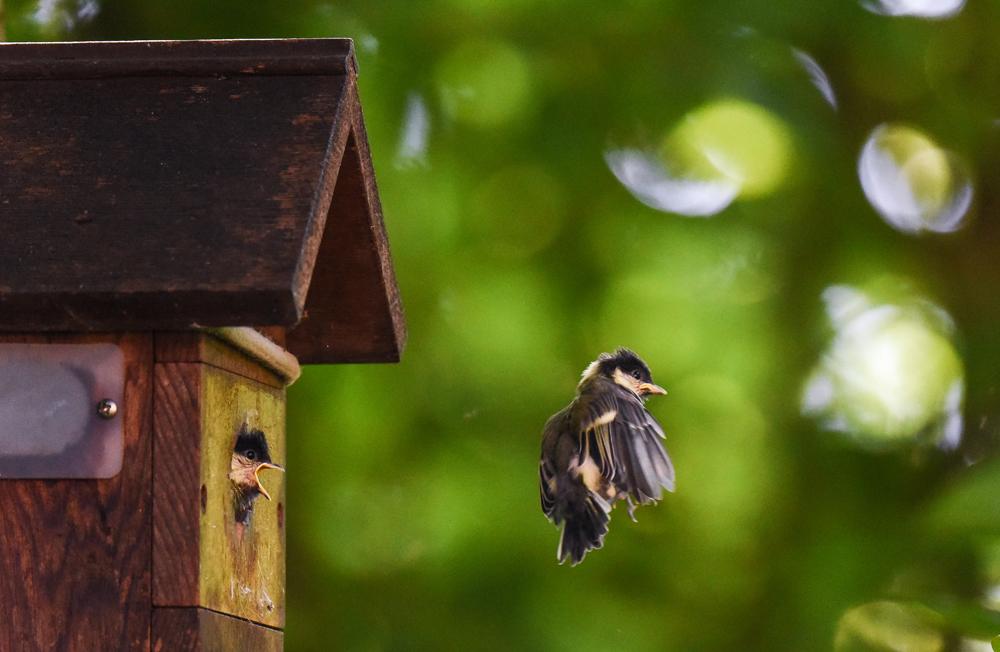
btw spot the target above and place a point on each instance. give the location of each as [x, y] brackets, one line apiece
[250, 457]
[627, 369]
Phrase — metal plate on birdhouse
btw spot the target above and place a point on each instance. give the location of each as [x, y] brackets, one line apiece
[60, 410]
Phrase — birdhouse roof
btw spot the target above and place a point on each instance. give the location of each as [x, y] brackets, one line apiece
[170, 185]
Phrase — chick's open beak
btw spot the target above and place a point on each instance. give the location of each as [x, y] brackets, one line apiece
[650, 388]
[260, 467]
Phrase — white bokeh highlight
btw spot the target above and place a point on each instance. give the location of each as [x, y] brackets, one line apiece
[890, 375]
[817, 76]
[645, 176]
[929, 9]
[415, 134]
[912, 183]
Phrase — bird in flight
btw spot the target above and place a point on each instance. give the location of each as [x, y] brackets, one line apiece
[601, 448]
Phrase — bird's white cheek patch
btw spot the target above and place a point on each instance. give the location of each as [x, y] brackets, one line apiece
[625, 381]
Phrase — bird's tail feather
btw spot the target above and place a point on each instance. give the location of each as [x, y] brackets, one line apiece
[585, 523]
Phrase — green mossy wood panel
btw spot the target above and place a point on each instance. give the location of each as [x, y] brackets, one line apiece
[188, 629]
[202, 556]
[243, 568]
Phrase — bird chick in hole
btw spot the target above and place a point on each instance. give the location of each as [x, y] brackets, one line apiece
[250, 457]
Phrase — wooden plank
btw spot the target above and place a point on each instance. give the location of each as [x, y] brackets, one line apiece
[254, 344]
[274, 333]
[181, 629]
[236, 57]
[177, 421]
[195, 346]
[353, 309]
[237, 570]
[243, 569]
[75, 554]
[316, 230]
[175, 185]
[159, 202]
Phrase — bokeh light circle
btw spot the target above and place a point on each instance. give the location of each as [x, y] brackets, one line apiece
[735, 140]
[930, 9]
[913, 183]
[891, 373]
[485, 83]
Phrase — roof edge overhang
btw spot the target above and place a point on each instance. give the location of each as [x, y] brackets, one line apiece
[230, 57]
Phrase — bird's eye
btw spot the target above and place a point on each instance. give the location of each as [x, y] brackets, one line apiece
[251, 454]
[636, 374]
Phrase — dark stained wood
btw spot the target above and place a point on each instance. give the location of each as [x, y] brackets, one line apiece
[276, 334]
[194, 346]
[168, 185]
[183, 629]
[324, 195]
[158, 202]
[177, 418]
[353, 311]
[201, 555]
[239, 57]
[75, 554]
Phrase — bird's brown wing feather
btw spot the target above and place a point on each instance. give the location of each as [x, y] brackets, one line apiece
[624, 440]
[546, 485]
[546, 471]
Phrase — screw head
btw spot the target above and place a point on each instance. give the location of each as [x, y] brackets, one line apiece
[106, 408]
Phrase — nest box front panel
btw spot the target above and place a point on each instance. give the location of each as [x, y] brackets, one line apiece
[243, 536]
[219, 536]
[200, 629]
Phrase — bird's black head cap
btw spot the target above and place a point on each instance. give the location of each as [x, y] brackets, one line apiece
[628, 362]
[252, 444]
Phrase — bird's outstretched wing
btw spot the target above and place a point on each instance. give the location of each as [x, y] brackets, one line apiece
[624, 441]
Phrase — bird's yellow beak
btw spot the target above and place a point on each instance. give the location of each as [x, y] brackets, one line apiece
[650, 388]
[260, 467]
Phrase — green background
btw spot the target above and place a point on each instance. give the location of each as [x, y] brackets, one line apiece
[413, 518]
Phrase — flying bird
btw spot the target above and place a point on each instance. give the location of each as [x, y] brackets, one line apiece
[601, 448]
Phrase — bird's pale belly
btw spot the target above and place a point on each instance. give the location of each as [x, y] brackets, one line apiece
[590, 473]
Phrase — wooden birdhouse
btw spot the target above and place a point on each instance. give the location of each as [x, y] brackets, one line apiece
[181, 224]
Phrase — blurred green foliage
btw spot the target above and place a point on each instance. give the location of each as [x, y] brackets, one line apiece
[413, 520]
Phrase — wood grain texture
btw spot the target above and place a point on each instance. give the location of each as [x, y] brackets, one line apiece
[274, 333]
[169, 185]
[353, 311]
[177, 425]
[261, 349]
[233, 57]
[75, 554]
[202, 556]
[158, 202]
[195, 346]
[181, 629]
[243, 568]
